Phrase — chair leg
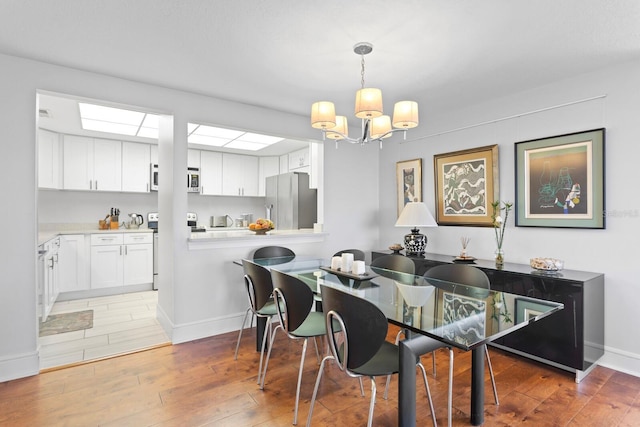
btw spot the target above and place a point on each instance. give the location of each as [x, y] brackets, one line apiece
[493, 380]
[361, 386]
[266, 362]
[426, 386]
[266, 333]
[315, 389]
[372, 402]
[304, 352]
[433, 363]
[246, 313]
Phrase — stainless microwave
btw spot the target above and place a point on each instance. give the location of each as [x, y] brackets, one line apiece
[193, 180]
[154, 177]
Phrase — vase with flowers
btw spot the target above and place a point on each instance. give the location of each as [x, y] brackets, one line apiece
[499, 224]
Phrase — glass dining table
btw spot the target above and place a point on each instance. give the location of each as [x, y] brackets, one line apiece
[427, 309]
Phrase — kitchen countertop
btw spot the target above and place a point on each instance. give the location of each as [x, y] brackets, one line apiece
[46, 234]
[212, 239]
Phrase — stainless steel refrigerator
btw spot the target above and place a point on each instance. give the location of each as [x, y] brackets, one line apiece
[292, 203]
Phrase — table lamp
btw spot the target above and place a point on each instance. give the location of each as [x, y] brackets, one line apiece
[415, 214]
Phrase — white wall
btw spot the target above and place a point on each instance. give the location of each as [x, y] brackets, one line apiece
[186, 296]
[608, 251]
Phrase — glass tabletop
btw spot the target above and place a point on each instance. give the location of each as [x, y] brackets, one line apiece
[462, 316]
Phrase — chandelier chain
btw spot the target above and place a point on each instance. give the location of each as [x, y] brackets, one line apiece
[362, 71]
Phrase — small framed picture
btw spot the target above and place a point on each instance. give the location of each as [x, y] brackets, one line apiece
[560, 181]
[466, 185]
[409, 182]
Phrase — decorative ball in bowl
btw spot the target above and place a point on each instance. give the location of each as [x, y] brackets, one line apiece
[261, 226]
[396, 248]
[546, 264]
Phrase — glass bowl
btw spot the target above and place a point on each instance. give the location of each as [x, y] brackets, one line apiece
[546, 264]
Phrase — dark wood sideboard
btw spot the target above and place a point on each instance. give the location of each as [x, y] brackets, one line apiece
[572, 339]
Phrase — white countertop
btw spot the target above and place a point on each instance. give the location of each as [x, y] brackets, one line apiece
[48, 234]
[212, 239]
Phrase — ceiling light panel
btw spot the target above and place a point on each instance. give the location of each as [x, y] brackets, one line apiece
[260, 139]
[102, 126]
[206, 140]
[245, 145]
[228, 134]
[109, 114]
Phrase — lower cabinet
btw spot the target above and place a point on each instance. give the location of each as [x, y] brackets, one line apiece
[121, 259]
[73, 263]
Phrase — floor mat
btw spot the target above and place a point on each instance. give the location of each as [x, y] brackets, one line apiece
[66, 322]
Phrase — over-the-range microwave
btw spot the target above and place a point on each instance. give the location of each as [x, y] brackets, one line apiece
[193, 179]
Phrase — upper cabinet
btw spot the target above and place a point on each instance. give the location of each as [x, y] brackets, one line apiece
[299, 160]
[136, 159]
[268, 166]
[240, 175]
[49, 171]
[211, 173]
[92, 164]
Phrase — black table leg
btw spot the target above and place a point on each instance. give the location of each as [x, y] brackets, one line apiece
[477, 386]
[410, 349]
[261, 324]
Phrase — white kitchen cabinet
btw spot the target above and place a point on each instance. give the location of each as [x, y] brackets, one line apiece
[193, 158]
[51, 277]
[92, 164]
[284, 163]
[48, 159]
[121, 259]
[138, 258]
[239, 175]
[211, 173]
[73, 263]
[136, 160]
[298, 160]
[268, 166]
[107, 262]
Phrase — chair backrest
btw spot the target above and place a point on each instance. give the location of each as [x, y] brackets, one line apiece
[294, 299]
[396, 267]
[362, 324]
[282, 254]
[257, 280]
[358, 255]
[460, 274]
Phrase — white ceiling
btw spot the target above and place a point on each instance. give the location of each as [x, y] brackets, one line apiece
[286, 54]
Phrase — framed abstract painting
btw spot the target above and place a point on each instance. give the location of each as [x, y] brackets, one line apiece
[466, 184]
[409, 182]
[560, 181]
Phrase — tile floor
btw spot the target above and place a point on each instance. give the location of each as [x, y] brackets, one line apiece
[121, 324]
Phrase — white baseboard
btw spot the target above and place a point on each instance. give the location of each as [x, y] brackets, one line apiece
[180, 333]
[620, 360]
[19, 366]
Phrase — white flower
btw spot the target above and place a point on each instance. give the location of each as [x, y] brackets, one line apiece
[499, 219]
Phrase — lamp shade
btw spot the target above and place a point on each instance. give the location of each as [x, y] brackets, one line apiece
[380, 127]
[323, 115]
[416, 214]
[368, 103]
[341, 126]
[405, 114]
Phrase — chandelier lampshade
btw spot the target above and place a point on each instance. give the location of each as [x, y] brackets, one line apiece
[405, 114]
[368, 103]
[340, 130]
[380, 127]
[323, 115]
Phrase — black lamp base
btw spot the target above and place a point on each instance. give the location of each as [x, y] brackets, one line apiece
[415, 243]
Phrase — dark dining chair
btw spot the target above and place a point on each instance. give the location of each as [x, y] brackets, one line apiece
[358, 344]
[281, 253]
[395, 267]
[294, 300]
[447, 276]
[257, 280]
[358, 255]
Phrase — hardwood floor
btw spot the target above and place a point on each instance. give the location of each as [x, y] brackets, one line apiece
[199, 384]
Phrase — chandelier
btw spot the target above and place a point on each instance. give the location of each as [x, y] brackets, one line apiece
[375, 125]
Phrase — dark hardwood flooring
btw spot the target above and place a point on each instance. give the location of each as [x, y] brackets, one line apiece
[199, 384]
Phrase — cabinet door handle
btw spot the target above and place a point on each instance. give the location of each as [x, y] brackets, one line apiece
[121, 250]
[96, 184]
[126, 250]
[90, 185]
